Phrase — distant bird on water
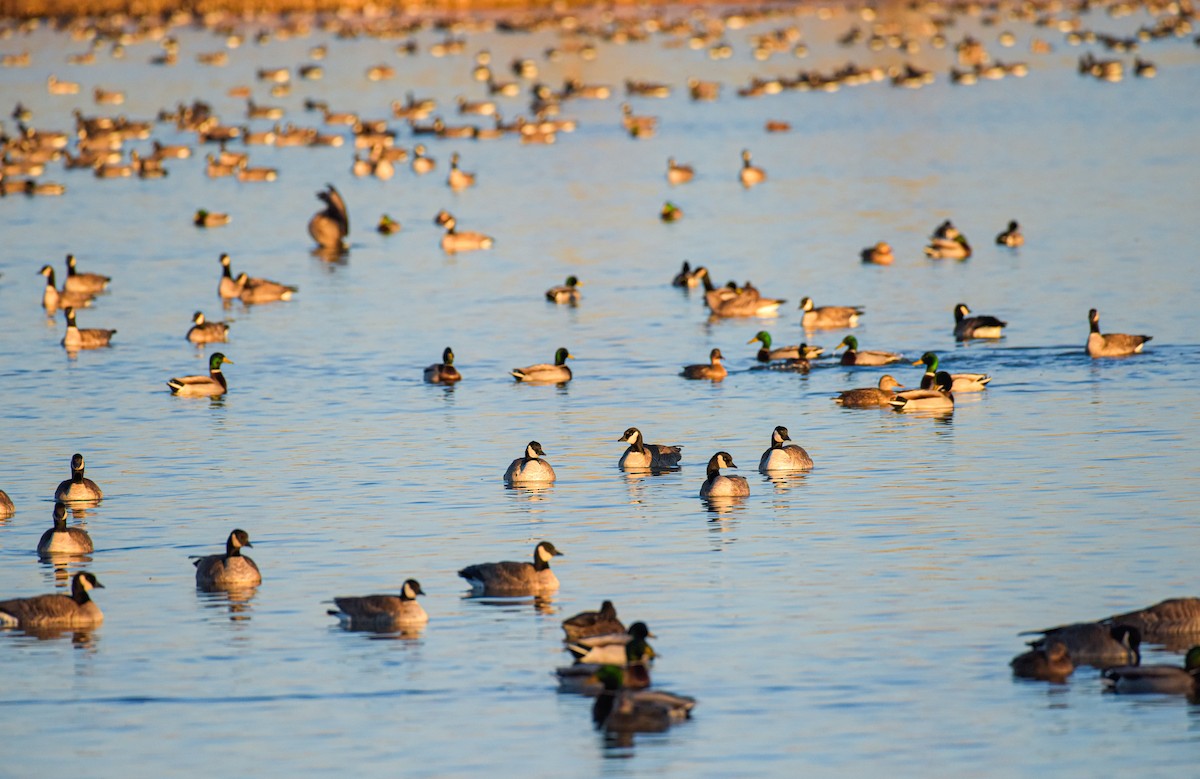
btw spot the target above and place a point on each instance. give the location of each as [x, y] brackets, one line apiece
[330, 226]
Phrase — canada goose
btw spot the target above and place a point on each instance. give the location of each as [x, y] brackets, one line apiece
[687, 277]
[1095, 644]
[203, 332]
[330, 226]
[7, 509]
[558, 373]
[828, 317]
[617, 648]
[678, 174]
[717, 485]
[852, 356]
[963, 382]
[935, 398]
[420, 163]
[530, 468]
[383, 613]
[642, 455]
[205, 218]
[61, 539]
[459, 179]
[750, 175]
[703, 90]
[232, 569]
[879, 254]
[199, 386]
[387, 225]
[731, 301]
[1165, 679]
[89, 283]
[512, 579]
[1012, 236]
[784, 458]
[1051, 664]
[967, 327]
[713, 370]
[78, 489]
[670, 212]
[55, 611]
[593, 623]
[565, 293]
[246, 173]
[870, 397]
[443, 372]
[767, 354]
[53, 299]
[263, 290]
[476, 107]
[621, 710]
[1112, 344]
[87, 338]
[228, 288]
[1167, 622]
[453, 241]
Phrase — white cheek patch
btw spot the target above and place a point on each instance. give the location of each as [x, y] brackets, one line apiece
[408, 591]
[543, 554]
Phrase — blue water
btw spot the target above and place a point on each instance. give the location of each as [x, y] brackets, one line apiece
[853, 619]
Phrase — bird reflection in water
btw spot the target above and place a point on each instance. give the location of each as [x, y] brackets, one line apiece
[237, 599]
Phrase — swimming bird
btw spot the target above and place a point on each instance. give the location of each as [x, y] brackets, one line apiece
[718, 486]
[204, 332]
[621, 710]
[852, 356]
[530, 468]
[947, 243]
[542, 373]
[749, 174]
[330, 226]
[687, 277]
[382, 613]
[593, 623]
[565, 293]
[746, 302]
[1012, 236]
[767, 354]
[232, 569]
[55, 611]
[984, 326]
[1052, 664]
[87, 338]
[963, 382]
[86, 283]
[670, 212]
[387, 225]
[713, 370]
[1112, 344]
[200, 386]
[879, 254]
[1164, 679]
[248, 289]
[513, 579]
[459, 179]
[454, 241]
[935, 398]
[1095, 644]
[205, 218]
[784, 458]
[443, 372]
[1167, 622]
[617, 648]
[870, 397]
[641, 455]
[53, 299]
[61, 539]
[678, 174]
[78, 488]
[7, 509]
[828, 317]
[421, 164]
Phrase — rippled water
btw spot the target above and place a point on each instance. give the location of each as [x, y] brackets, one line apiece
[857, 617]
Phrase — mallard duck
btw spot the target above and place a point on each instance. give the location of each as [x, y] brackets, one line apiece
[205, 218]
[852, 356]
[616, 648]
[530, 468]
[1094, 644]
[621, 710]
[459, 179]
[61, 539]
[205, 332]
[512, 579]
[870, 397]
[879, 254]
[87, 338]
[55, 611]
[382, 613]
[678, 174]
[713, 370]
[542, 373]
[750, 175]
[593, 623]
[453, 241]
[199, 386]
[78, 488]
[828, 317]
[935, 398]
[767, 354]
[670, 212]
[1165, 679]
[784, 458]
[1052, 664]
[1012, 236]
[1166, 622]
[641, 455]
[387, 226]
[230, 569]
[1112, 344]
[718, 486]
[686, 277]
[85, 283]
[7, 509]
[966, 327]
[963, 382]
[951, 245]
[53, 299]
[565, 293]
[421, 164]
[330, 226]
[443, 372]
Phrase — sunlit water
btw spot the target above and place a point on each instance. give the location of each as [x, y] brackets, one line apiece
[835, 623]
